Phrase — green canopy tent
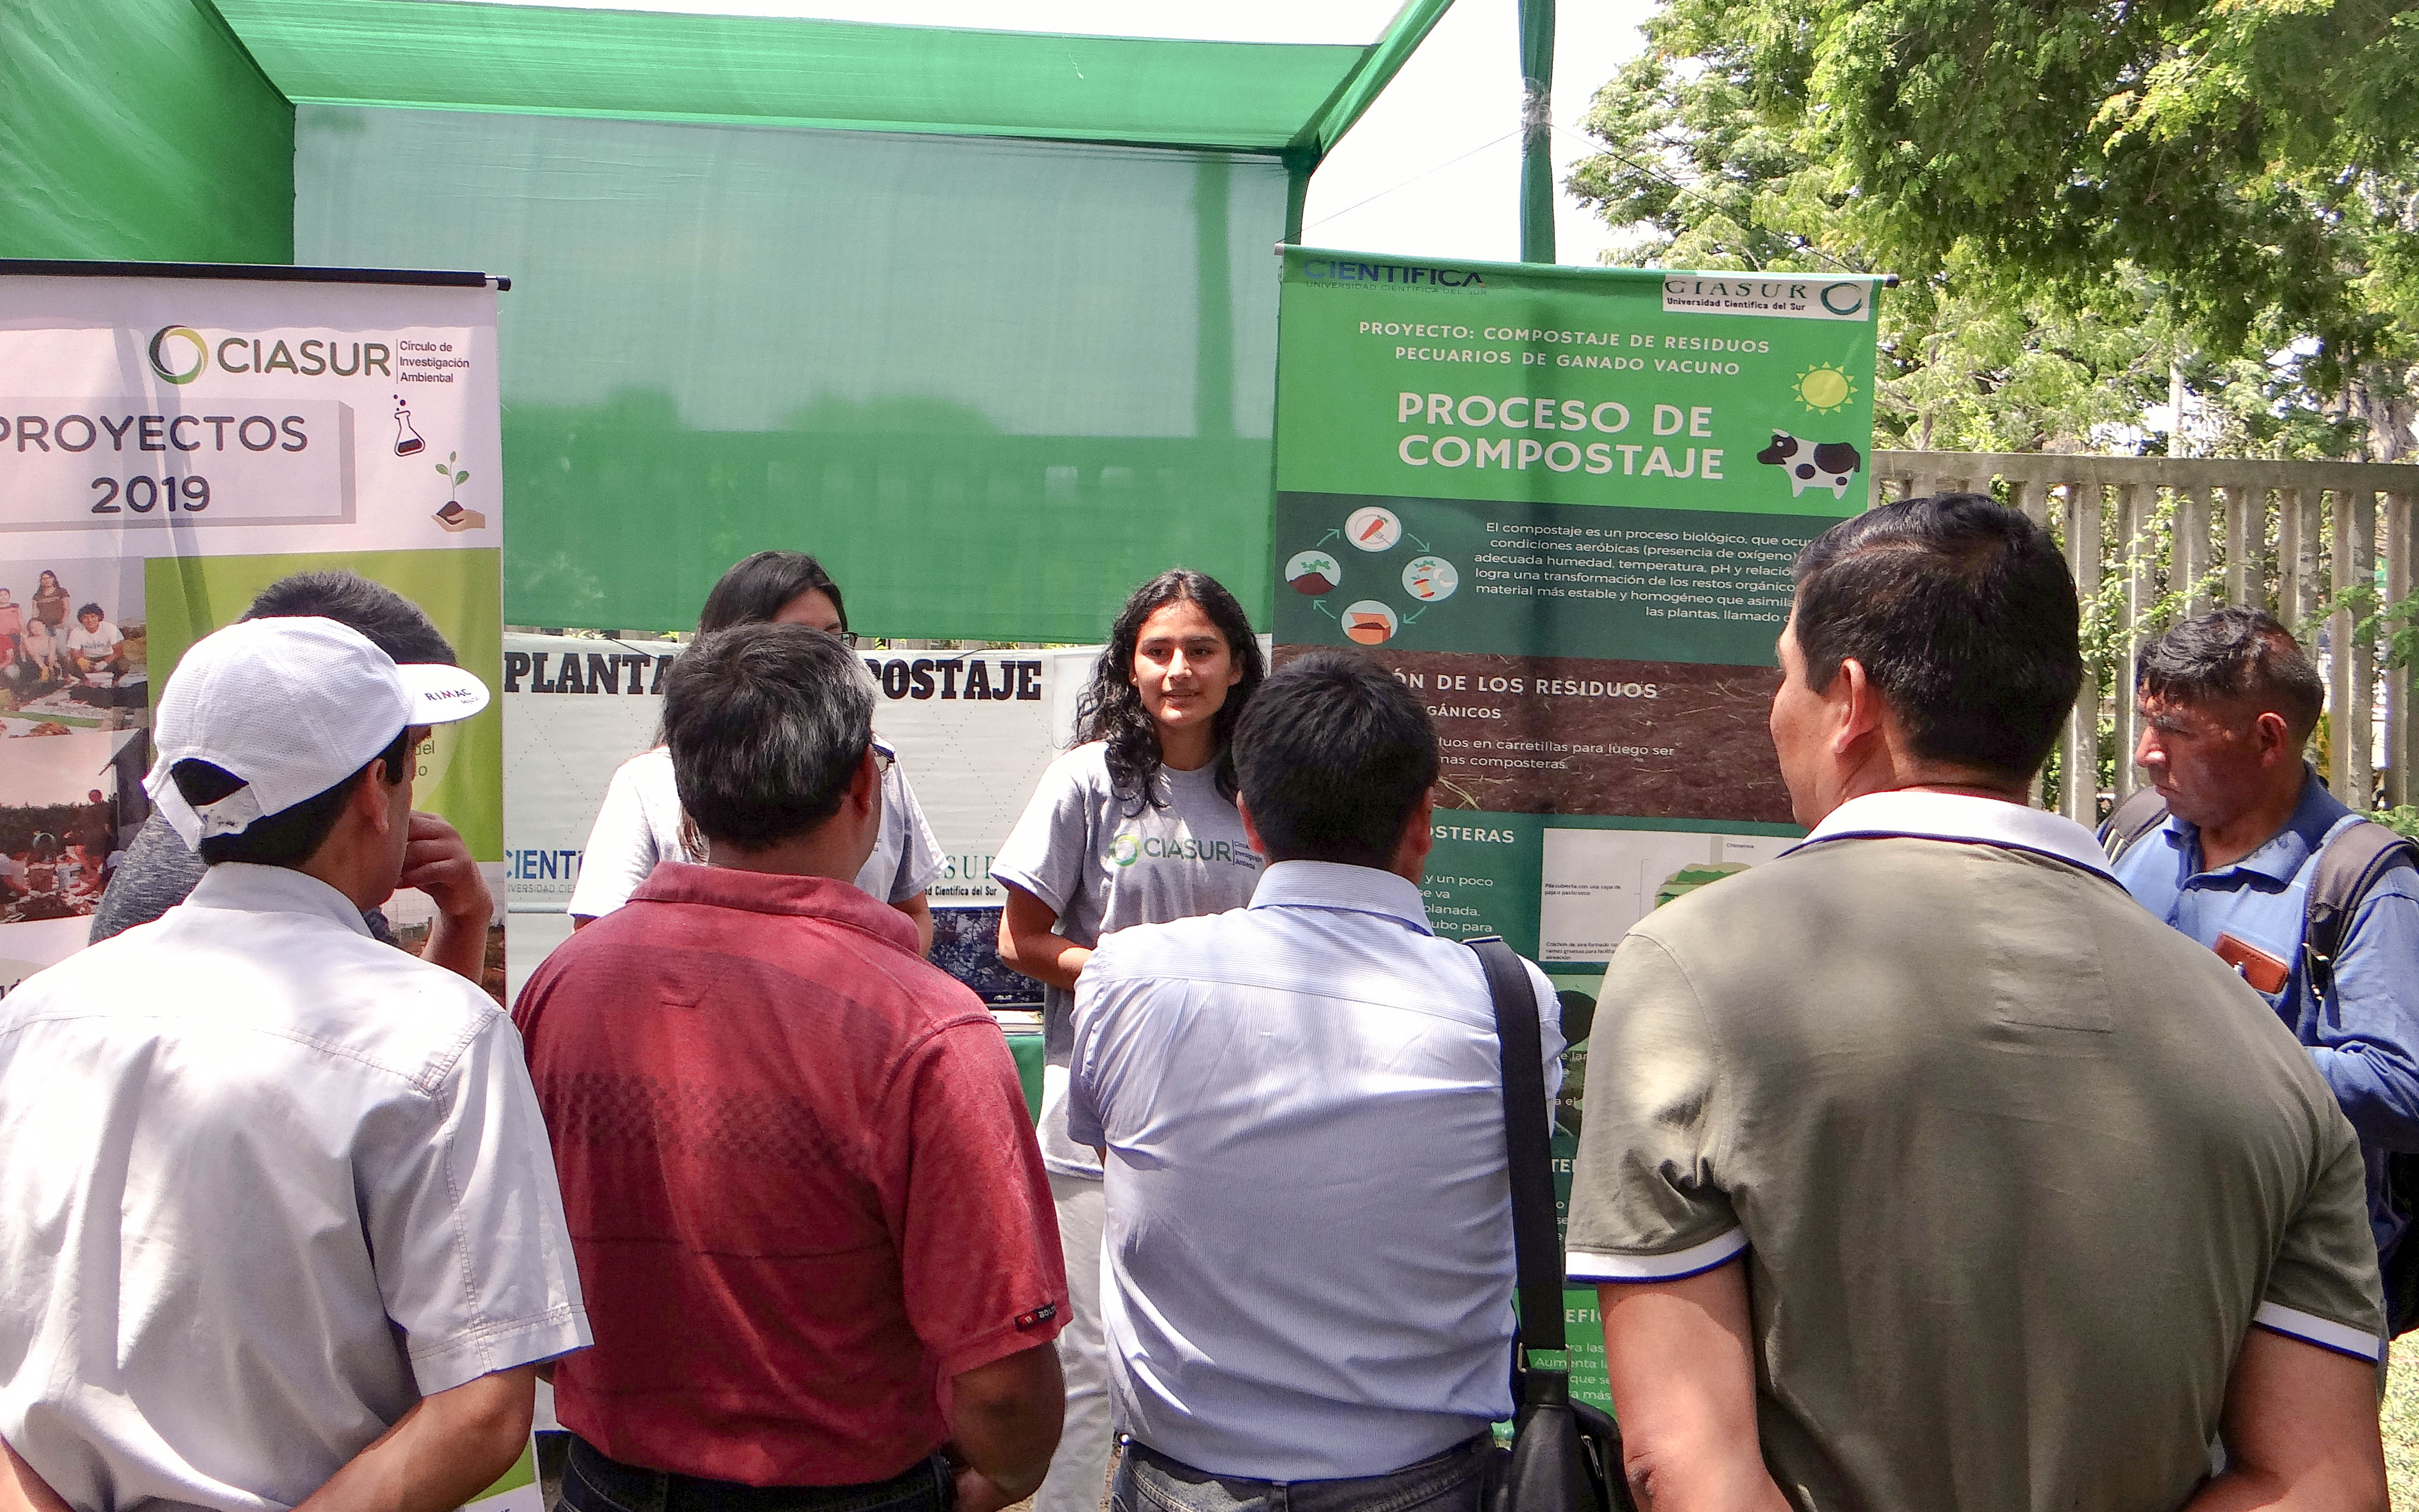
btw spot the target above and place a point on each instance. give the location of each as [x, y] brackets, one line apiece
[986, 319]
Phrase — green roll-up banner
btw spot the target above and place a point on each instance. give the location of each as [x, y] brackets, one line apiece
[1561, 503]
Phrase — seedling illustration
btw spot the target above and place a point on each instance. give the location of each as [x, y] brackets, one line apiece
[454, 516]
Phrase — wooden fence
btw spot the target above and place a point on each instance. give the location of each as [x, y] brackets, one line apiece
[2284, 537]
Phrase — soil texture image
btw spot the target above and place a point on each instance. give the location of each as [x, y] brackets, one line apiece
[1572, 735]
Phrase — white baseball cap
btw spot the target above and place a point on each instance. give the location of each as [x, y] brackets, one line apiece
[292, 707]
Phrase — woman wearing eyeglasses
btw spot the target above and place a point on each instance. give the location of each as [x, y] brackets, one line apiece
[641, 822]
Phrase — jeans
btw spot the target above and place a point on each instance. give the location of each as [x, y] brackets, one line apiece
[593, 1483]
[1147, 1481]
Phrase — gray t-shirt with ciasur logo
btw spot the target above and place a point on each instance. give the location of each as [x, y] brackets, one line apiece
[1102, 863]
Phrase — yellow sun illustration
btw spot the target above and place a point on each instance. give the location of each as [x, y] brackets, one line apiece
[1824, 388]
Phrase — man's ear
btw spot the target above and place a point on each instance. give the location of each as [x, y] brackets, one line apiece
[865, 784]
[1418, 838]
[1855, 703]
[1251, 830]
[2273, 741]
[369, 799]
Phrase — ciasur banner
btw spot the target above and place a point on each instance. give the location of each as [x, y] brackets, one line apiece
[1562, 504]
[172, 440]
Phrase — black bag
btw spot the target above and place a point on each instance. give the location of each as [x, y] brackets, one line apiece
[1565, 1456]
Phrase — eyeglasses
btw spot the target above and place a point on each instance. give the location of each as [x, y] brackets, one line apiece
[881, 759]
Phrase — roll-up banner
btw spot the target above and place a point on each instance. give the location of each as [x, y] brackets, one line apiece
[172, 440]
[1562, 504]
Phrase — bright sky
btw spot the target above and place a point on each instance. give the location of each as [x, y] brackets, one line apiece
[1460, 94]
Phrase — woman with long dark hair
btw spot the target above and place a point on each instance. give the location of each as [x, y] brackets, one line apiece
[641, 822]
[1136, 824]
[51, 602]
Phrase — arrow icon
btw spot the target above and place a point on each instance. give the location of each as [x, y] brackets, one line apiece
[1413, 618]
[1320, 605]
[1330, 535]
[1416, 541]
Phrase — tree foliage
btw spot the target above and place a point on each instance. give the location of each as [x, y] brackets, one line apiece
[2078, 196]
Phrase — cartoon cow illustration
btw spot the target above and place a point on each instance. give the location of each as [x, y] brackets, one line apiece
[1824, 465]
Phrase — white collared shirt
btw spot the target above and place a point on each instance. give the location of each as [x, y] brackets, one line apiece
[264, 1182]
[640, 823]
[1307, 1266]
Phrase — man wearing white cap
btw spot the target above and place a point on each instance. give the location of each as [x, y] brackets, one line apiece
[281, 1221]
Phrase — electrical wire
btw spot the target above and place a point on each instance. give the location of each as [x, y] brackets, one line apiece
[1414, 178]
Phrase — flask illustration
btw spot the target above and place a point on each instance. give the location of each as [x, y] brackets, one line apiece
[407, 440]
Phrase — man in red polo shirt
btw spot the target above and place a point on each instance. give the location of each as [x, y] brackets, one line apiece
[811, 1219]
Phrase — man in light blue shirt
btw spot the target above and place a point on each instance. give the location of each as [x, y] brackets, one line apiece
[1307, 1266]
[2228, 703]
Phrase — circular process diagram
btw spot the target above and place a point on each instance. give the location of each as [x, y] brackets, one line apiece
[1427, 578]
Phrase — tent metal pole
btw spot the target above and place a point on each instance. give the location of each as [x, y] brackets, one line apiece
[1536, 131]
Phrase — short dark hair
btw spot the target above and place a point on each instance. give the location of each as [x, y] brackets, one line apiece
[294, 834]
[1963, 615]
[755, 588]
[94, 610]
[766, 723]
[1333, 754]
[2235, 654]
[385, 618]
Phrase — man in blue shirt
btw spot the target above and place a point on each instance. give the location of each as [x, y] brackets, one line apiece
[1306, 1267]
[2228, 701]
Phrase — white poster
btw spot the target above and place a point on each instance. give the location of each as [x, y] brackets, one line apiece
[1597, 883]
[973, 729]
[169, 446]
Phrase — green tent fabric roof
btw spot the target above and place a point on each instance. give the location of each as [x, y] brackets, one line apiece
[1297, 99]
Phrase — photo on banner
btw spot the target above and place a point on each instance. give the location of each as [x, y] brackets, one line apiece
[170, 445]
[74, 664]
[1562, 504]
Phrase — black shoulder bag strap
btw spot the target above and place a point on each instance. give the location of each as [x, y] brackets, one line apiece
[1549, 1469]
[1525, 1141]
[2142, 812]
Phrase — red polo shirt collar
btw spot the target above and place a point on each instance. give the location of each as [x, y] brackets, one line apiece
[771, 892]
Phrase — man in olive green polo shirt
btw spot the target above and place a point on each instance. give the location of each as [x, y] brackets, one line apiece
[1921, 1167]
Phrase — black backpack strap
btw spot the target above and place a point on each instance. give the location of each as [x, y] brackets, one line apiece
[1520, 1044]
[2142, 812]
[2349, 863]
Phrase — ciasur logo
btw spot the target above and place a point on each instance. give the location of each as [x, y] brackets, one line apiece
[179, 354]
[190, 349]
[1129, 847]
